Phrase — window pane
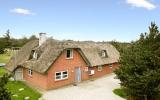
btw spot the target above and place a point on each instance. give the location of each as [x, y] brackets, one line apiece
[68, 53]
[57, 74]
[58, 77]
[65, 72]
[65, 76]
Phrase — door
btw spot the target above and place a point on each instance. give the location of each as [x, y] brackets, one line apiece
[19, 74]
[77, 74]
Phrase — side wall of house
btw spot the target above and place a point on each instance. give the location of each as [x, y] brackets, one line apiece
[63, 64]
[106, 69]
[37, 79]
[47, 81]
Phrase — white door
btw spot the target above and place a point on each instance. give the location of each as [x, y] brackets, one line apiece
[19, 74]
[77, 74]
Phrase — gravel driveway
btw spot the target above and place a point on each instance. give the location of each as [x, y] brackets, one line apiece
[99, 89]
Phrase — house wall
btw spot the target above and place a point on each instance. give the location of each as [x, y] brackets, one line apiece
[47, 81]
[63, 64]
[105, 70]
[37, 79]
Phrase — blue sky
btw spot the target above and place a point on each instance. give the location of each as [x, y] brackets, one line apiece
[97, 20]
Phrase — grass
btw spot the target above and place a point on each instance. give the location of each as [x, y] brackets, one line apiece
[4, 58]
[14, 86]
[2, 71]
[120, 92]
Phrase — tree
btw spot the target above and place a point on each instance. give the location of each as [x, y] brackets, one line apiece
[7, 39]
[33, 37]
[2, 45]
[4, 93]
[139, 70]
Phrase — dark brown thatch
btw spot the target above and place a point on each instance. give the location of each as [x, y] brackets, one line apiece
[51, 50]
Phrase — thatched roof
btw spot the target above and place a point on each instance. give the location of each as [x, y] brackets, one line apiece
[50, 50]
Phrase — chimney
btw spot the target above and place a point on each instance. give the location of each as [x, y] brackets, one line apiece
[42, 38]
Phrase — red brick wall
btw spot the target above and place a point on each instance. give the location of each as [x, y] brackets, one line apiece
[105, 70]
[63, 64]
[37, 79]
[47, 81]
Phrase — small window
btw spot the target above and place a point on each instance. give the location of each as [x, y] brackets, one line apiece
[110, 65]
[104, 53]
[30, 72]
[100, 68]
[61, 75]
[69, 53]
[34, 55]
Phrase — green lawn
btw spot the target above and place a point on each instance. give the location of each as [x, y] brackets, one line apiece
[120, 92]
[2, 71]
[4, 58]
[14, 86]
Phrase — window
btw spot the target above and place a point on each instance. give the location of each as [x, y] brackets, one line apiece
[104, 53]
[34, 55]
[69, 53]
[110, 65]
[100, 68]
[30, 72]
[61, 75]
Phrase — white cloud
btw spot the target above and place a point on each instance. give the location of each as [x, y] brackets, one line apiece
[22, 11]
[141, 3]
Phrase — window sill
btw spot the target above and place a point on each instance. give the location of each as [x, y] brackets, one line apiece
[69, 58]
[56, 80]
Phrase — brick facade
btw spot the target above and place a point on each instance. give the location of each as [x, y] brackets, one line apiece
[47, 81]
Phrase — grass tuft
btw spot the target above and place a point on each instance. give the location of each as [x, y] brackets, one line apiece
[120, 92]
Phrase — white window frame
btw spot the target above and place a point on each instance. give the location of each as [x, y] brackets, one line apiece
[71, 53]
[30, 72]
[104, 53]
[61, 76]
[35, 55]
[100, 68]
[110, 65]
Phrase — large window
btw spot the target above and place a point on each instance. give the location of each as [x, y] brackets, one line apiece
[30, 72]
[69, 53]
[61, 75]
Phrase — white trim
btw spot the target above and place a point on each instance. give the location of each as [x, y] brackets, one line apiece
[61, 76]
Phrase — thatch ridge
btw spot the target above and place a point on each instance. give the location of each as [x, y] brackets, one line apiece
[50, 50]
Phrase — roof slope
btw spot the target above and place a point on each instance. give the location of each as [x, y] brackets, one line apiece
[51, 50]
